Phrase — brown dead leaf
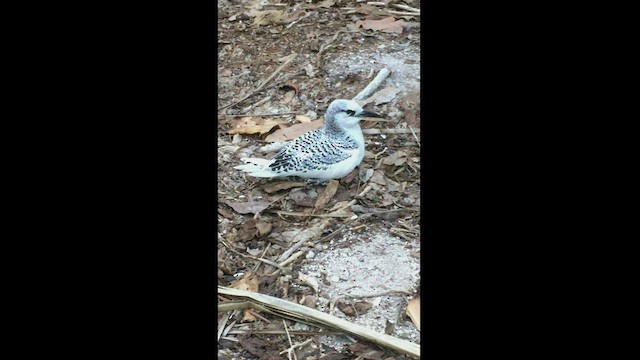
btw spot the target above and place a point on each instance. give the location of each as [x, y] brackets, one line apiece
[303, 118]
[327, 194]
[362, 307]
[309, 301]
[397, 158]
[263, 227]
[387, 25]
[389, 327]
[281, 185]
[413, 311]
[381, 96]
[378, 178]
[249, 207]
[253, 228]
[225, 213]
[291, 91]
[252, 125]
[301, 197]
[294, 131]
[268, 17]
[248, 317]
[366, 351]
[326, 4]
[249, 282]
[347, 309]
[370, 10]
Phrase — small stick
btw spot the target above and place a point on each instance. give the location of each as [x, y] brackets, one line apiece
[222, 324]
[273, 114]
[290, 342]
[389, 131]
[402, 13]
[275, 73]
[373, 85]
[293, 347]
[292, 258]
[257, 104]
[304, 17]
[414, 135]
[406, 7]
[279, 212]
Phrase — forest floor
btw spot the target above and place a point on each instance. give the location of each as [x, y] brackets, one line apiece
[279, 66]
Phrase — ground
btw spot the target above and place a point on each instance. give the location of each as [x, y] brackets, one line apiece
[358, 235]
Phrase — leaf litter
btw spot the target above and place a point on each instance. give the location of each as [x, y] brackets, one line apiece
[286, 222]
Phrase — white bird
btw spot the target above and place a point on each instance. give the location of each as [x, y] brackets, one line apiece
[330, 152]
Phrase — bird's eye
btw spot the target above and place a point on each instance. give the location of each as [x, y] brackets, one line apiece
[350, 112]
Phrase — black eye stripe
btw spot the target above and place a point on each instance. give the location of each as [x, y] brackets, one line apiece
[350, 112]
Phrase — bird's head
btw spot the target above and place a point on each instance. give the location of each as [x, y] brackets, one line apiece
[346, 113]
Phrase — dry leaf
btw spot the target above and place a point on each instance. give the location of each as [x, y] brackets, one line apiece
[387, 25]
[397, 158]
[366, 351]
[365, 174]
[301, 197]
[263, 227]
[294, 131]
[249, 207]
[303, 118]
[268, 17]
[327, 194]
[281, 185]
[252, 125]
[249, 282]
[413, 311]
[347, 309]
[248, 317]
[225, 213]
[381, 96]
[326, 4]
[362, 307]
[378, 178]
[253, 228]
[389, 327]
[309, 281]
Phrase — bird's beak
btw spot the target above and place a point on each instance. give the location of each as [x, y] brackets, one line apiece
[366, 113]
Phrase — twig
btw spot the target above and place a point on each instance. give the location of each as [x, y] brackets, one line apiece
[414, 135]
[373, 85]
[257, 104]
[395, 232]
[275, 73]
[406, 7]
[293, 347]
[304, 17]
[292, 258]
[402, 13]
[290, 342]
[288, 213]
[222, 324]
[389, 131]
[273, 114]
[288, 309]
[268, 262]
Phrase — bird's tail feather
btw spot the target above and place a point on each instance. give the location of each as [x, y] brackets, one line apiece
[256, 167]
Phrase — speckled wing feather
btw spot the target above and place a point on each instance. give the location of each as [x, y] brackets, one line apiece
[315, 150]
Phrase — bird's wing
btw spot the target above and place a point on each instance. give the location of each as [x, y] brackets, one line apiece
[312, 150]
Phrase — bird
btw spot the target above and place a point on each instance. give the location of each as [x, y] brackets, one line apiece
[330, 152]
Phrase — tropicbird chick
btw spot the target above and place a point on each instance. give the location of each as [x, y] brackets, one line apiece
[330, 152]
